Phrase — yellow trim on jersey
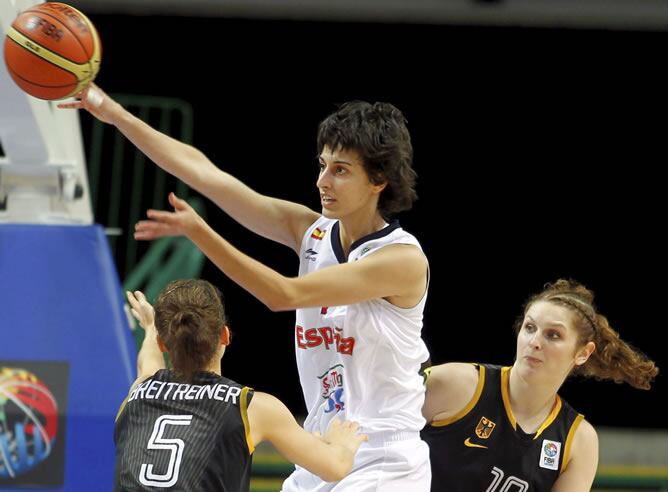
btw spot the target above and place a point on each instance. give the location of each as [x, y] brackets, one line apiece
[505, 394]
[426, 374]
[469, 406]
[556, 408]
[120, 410]
[505, 384]
[244, 416]
[569, 442]
[134, 385]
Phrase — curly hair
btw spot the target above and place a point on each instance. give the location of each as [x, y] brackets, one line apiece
[378, 132]
[189, 316]
[613, 358]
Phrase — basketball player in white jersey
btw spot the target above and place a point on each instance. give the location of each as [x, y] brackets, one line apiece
[362, 281]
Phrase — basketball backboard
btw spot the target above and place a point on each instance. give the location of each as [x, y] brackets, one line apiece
[42, 165]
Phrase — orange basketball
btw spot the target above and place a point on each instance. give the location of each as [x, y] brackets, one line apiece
[52, 51]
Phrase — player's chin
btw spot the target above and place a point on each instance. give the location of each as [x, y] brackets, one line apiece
[329, 213]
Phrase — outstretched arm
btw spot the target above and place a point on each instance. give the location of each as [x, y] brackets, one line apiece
[330, 457]
[581, 468]
[396, 272]
[279, 220]
[149, 358]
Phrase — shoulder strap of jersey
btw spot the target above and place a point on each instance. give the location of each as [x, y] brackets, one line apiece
[471, 404]
[136, 383]
[246, 397]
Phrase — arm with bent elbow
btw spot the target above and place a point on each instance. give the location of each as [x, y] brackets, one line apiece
[330, 457]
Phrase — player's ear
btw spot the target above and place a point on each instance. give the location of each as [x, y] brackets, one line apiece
[161, 344]
[379, 183]
[225, 336]
[377, 188]
[584, 353]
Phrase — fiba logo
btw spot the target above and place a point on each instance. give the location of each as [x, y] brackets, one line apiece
[28, 422]
[549, 454]
[550, 449]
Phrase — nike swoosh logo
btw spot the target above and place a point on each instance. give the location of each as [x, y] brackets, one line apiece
[469, 444]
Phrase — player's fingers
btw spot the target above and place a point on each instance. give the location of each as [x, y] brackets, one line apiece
[172, 196]
[131, 298]
[70, 105]
[144, 229]
[177, 203]
[146, 236]
[145, 225]
[154, 234]
[160, 215]
[150, 229]
[150, 226]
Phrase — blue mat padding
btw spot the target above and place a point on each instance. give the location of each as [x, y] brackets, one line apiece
[62, 320]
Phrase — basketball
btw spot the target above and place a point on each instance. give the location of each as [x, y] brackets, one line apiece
[52, 51]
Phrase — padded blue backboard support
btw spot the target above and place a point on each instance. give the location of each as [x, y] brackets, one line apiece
[62, 320]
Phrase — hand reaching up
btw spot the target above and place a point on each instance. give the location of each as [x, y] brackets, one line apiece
[141, 309]
[161, 223]
[96, 102]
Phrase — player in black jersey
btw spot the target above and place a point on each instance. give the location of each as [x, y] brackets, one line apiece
[190, 428]
[494, 429]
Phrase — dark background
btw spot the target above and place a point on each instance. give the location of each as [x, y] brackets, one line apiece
[539, 154]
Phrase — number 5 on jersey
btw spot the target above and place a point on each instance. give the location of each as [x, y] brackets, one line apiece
[174, 446]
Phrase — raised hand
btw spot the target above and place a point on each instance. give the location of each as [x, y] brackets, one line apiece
[141, 309]
[96, 102]
[180, 222]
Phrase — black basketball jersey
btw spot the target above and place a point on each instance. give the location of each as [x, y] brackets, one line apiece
[184, 437]
[482, 449]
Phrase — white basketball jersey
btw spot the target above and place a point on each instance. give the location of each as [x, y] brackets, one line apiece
[359, 362]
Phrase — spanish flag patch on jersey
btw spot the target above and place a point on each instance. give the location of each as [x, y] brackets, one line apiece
[318, 234]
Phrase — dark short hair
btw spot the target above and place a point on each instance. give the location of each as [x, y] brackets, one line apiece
[378, 132]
